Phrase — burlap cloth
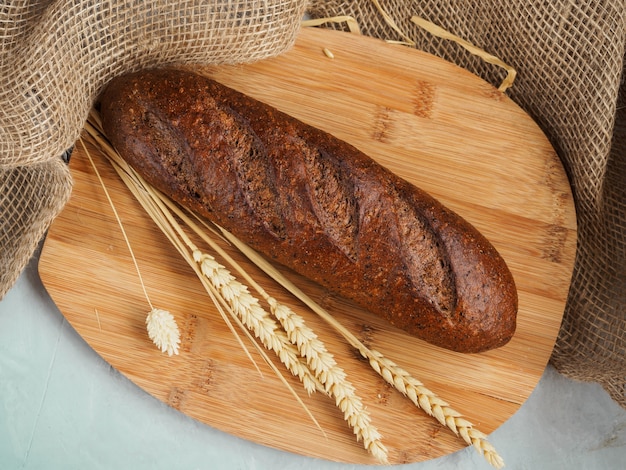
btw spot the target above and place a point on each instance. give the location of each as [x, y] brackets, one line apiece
[55, 57]
[57, 54]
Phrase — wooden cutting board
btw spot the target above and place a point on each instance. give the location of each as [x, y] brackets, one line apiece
[433, 123]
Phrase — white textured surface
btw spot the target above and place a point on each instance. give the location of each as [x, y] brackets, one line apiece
[63, 407]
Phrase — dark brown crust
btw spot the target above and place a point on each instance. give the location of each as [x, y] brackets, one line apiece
[315, 204]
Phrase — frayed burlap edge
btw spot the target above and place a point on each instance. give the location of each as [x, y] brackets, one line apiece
[43, 190]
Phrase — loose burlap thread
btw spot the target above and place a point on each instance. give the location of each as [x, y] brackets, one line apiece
[55, 57]
[569, 58]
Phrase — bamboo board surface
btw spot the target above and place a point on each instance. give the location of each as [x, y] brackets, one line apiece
[436, 125]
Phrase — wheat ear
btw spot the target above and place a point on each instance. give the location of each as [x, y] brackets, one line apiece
[254, 316]
[434, 406]
[326, 374]
[330, 376]
[393, 374]
[227, 288]
[322, 364]
[166, 222]
[389, 371]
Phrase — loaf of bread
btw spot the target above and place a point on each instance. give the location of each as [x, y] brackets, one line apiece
[315, 204]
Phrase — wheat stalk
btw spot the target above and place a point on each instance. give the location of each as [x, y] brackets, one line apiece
[331, 376]
[434, 406]
[413, 389]
[253, 316]
[325, 369]
[319, 369]
[166, 222]
[305, 339]
[161, 325]
[322, 366]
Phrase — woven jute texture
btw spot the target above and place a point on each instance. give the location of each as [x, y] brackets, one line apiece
[570, 62]
[55, 57]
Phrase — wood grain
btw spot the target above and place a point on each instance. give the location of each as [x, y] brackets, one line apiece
[436, 125]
